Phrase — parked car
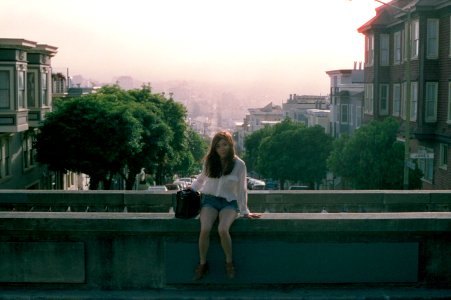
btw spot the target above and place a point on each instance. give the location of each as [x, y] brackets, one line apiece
[182, 184]
[157, 188]
[298, 187]
[173, 187]
[272, 185]
[187, 180]
[255, 184]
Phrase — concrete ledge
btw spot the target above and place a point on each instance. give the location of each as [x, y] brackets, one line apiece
[155, 250]
[263, 293]
[259, 201]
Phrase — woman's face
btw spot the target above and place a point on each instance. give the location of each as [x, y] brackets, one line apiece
[222, 148]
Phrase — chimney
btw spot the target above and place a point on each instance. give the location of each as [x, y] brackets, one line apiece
[355, 65]
[360, 65]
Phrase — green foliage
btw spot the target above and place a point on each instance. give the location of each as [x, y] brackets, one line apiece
[372, 158]
[88, 135]
[117, 132]
[290, 151]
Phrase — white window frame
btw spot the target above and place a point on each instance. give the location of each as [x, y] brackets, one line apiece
[414, 38]
[432, 42]
[426, 165]
[28, 151]
[45, 80]
[397, 47]
[369, 49]
[403, 100]
[369, 98]
[413, 100]
[344, 114]
[9, 90]
[397, 98]
[443, 158]
[358, 116]
[383, 99]
[384, 49]
[430, 99]
[5, 157]
[21, 89]
[32, 89]
[448, 120]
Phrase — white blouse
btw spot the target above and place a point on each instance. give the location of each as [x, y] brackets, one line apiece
[231, 187]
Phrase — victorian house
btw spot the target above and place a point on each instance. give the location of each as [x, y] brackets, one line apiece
[346, 100]
[25, 98]
[408, 76]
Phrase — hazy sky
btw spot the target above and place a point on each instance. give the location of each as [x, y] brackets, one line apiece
[286, 45]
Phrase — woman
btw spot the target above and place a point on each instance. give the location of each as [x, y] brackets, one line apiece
[224, 193]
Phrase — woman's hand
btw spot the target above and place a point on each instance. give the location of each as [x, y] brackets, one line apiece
[252, 216]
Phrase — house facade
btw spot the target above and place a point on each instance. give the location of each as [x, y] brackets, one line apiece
[296, 106]
[408, 64]
[346, 100]
[25, 98]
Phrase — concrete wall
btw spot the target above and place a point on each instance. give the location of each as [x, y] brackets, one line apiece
[122, 251]
[151, 250]
[259, 201]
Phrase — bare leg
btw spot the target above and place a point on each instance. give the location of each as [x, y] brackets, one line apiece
[226, 218]
[208, 216]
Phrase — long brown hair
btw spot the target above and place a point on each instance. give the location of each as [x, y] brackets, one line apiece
[213, 166]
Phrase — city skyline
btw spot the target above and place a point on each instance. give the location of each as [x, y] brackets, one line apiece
[276, 47]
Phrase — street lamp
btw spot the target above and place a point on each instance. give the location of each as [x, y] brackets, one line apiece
[408, 96]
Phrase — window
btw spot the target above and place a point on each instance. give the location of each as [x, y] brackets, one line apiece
[31, 84]
[432, 38]
[396, 99]
[449, 103]
[44, 94]
[4, 90]
[4, 158]
[21, 88]
[351, 114]
[413, 101]
[415, 38]
[368, 101]
[403, 100]
[383, 99]
[369, 50]
[397, 51]
[358, 116]
[443, 160]
[431, 102]
[426, 165]
[28, 151]
[344, 114]
[1, 159]
[384, 49]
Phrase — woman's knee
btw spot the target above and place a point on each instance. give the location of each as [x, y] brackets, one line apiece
[205, 232]
[223, 230]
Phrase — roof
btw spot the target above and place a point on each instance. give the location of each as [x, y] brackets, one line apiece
[395, 10]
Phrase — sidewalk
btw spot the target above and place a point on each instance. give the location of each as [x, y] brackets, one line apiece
[261, 294]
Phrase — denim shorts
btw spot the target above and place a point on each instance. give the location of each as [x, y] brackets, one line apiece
[218, 203]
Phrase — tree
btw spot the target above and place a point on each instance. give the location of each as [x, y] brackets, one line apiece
[289, 151]
[295, 152]
[372, 158]
[252, 145]
[130, 130]
[88, 135]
